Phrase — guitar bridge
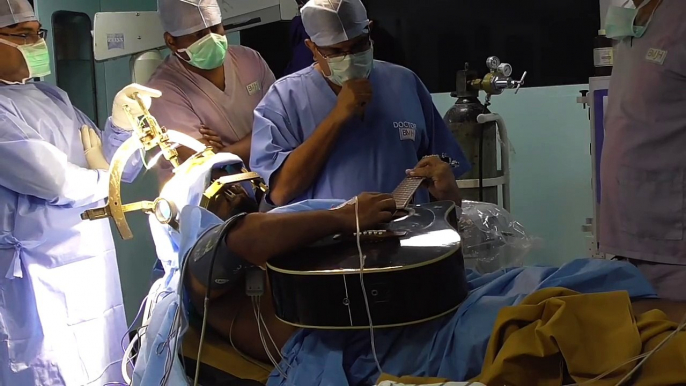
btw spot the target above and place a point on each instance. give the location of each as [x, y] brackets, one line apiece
[373, 235]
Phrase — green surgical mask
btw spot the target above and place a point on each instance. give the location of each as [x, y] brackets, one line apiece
[351, 66]
[207, 53]
[36, 57]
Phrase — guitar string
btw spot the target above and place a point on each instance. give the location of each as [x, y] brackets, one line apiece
[403, 193]
[364, 291]
[347, 299]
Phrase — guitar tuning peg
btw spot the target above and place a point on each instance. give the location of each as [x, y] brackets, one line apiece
[446, 158]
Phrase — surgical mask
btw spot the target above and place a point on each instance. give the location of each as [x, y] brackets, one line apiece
[619, 22]
[207, 53]
[36, 57]
[351, 66]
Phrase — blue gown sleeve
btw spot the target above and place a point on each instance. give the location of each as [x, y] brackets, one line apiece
[113, 137]
[441, 140]
[35, 167]
[273, 138]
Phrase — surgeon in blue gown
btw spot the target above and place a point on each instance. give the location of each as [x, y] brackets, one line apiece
[61, 312]
[347, 124]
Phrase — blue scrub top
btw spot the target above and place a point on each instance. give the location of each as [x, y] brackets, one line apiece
[400, 126]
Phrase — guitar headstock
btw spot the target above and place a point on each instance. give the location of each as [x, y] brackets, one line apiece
[446, 158]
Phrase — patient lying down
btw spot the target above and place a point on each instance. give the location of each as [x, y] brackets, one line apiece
[525, 326]
[456, 347]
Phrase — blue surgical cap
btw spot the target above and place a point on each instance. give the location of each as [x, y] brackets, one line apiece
[183, 17]
[330, 22]
[15, 11]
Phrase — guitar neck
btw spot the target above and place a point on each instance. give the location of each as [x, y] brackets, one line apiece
[406, 190]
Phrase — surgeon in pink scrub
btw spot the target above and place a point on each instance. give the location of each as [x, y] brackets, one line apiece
[209, 89]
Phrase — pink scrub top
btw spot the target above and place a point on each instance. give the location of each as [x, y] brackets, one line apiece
[190, 101]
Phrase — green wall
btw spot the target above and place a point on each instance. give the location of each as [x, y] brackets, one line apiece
[551, 169]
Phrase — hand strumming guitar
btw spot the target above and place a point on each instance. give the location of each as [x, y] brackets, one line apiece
[289, 231]
[439, 179]
[373, 209]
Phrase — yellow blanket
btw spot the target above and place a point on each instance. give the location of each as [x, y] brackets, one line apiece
[557, 331]
[557, 336]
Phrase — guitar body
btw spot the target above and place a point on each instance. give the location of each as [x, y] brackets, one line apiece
[414, 275]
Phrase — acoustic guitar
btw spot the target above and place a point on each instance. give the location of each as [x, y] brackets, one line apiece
[413, 271]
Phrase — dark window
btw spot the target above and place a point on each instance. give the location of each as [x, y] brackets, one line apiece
[74, 64]
[551, 39]
[272, 41]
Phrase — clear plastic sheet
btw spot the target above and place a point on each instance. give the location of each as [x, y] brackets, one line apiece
[491, 238]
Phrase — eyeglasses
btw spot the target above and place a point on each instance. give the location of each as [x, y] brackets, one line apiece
[29, 37]
[339, 55]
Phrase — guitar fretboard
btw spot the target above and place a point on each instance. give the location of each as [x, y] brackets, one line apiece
[406, 190]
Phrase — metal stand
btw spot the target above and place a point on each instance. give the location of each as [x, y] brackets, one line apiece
[595, 98]
[503, 178]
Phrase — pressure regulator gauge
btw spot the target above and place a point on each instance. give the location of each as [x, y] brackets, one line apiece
[492, 63]
[505, 69]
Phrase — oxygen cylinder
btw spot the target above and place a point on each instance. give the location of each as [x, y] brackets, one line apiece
[478, 141]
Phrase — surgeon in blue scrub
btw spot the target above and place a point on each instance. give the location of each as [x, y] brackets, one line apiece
[61, 310]
[349, 123]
